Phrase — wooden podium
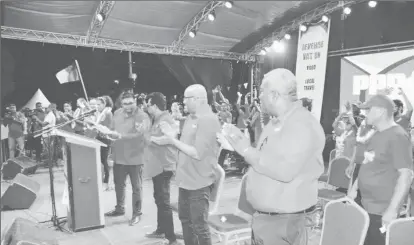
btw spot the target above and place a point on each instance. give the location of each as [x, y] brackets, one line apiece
[83, 188]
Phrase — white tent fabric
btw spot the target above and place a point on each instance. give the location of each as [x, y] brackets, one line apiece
[151, 22]
[37, 97]
[4, 132]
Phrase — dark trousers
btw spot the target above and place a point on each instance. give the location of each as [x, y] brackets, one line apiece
[38, 147]
[374, 235]
[165, 222]
[104, 160]
[193, 208]
[135, 174]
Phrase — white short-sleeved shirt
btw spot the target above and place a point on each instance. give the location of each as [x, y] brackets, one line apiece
[51, 120]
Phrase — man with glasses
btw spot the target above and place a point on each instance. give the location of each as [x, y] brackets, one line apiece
[131, 128]
[282, 182]
[197, 164]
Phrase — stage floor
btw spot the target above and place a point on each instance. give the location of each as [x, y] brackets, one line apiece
[116, 231]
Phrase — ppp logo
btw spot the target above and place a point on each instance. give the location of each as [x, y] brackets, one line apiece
[373, 83]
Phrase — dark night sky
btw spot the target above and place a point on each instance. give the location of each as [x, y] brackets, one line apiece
[35, 66]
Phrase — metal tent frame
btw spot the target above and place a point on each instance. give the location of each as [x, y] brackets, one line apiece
[93, 40]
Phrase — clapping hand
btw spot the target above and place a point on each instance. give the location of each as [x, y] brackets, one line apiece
[224, 143]
[236, 138]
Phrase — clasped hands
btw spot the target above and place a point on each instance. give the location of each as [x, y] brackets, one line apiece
[167, 138]
[114, 135]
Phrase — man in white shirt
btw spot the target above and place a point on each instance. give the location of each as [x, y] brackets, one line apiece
[49, 122]
[50, 118]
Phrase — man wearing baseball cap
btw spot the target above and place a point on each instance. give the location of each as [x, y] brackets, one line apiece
[387, 169]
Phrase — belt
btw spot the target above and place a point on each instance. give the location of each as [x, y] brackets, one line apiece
[308, 210]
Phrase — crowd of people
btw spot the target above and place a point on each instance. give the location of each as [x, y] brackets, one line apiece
[272, 130]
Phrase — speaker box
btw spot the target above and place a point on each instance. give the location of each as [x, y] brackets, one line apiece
[20, 194]
[26, 232]
[21, 164]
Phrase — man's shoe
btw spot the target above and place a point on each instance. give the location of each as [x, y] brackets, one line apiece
[114, 213]
[135, 220]
[155, 234]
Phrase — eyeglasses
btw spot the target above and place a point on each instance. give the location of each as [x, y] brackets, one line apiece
[127, 104]
[190, 98]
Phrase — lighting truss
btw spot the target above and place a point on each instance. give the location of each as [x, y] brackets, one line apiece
[312, 15]
[196, 21]
[95, 28]
[103, 43]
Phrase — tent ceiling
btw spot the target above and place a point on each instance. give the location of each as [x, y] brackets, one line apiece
[151, 22]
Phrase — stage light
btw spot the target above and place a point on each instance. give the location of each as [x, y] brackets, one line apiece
[372, 4]
[100, 17]
[212, 16]
[347, 10]
[287, 36]
[303, 28]
[192, 34]
[278, 47]
[116, 82]
[325, 18]
[228, 4]
[262, 52]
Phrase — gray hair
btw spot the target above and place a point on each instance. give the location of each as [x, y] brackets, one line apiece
[284, 82]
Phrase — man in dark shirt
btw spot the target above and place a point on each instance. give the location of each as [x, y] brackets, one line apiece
[386, 172]
[197, 164]
[160, 166]
[131, 128]
[36, 143]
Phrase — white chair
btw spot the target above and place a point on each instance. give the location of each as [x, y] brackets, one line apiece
[217, 189]
[400, 232]
[336, 178]
[233, 227]
[344, 223]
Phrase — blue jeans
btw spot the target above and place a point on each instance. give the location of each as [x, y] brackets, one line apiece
[193, 208]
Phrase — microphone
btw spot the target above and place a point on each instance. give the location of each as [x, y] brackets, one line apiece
[89, 112]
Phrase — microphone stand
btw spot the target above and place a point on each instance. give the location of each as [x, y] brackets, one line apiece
[56, 221]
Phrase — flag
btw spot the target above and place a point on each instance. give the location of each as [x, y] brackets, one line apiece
[69, 74]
